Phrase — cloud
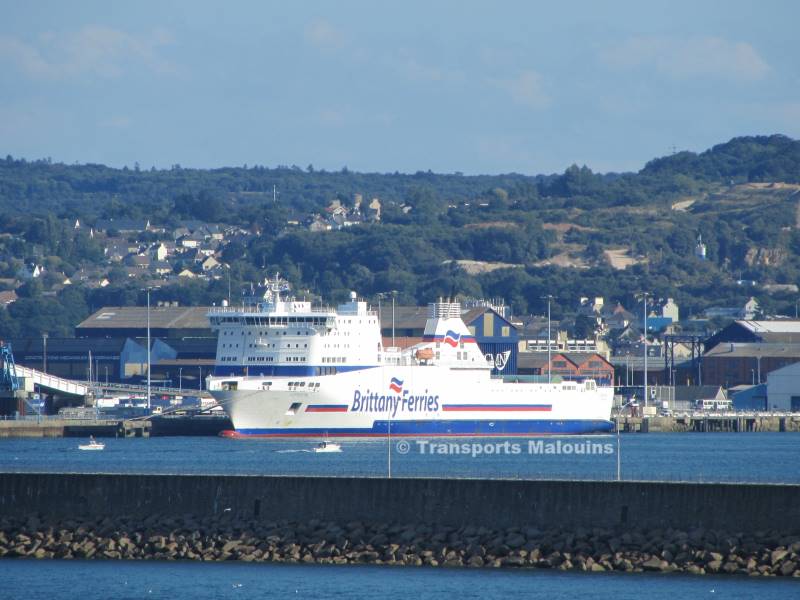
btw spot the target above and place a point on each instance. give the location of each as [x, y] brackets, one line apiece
[324, 35]
[690, 57]
[92, 50]
[526, 89]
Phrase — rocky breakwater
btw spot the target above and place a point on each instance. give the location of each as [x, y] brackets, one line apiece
[768, 553]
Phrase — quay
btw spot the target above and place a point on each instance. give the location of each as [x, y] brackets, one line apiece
[156, 425]
[699, 422]
[55, 427]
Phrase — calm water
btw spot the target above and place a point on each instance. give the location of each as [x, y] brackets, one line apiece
[757, 457]
[97, 580]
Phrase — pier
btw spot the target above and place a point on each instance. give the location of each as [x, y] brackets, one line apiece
[55, 427]
[699, 422]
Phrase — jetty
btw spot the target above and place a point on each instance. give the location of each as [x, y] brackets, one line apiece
[702, 422]
[57, 427]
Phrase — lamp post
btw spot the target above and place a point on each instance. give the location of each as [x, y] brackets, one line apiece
[200, 380]
[180, 380]
[758, 365]
[44, 352]
[228, 267]
[643, 296]
[148, 348]
[548, 297]
[394, 295]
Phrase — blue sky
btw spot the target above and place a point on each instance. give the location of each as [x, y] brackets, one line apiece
[404, 86]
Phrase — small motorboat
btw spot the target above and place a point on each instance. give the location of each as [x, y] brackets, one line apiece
[326, 446]
[92, 445]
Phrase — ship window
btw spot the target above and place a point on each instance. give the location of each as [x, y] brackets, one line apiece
[294, 408]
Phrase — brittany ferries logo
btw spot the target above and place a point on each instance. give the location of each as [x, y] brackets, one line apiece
[452, 338]
[397, 400]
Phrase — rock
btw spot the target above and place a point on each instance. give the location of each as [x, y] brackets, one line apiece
[597, 567]
[513, 561]
[730, 567]
[788, 568]
[654, 564]
[714, 566]
[475, 561]
[378, 540]
[778, 555]
[515, 540]
[695, 570]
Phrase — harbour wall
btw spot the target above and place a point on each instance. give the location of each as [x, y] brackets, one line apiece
[451, 502]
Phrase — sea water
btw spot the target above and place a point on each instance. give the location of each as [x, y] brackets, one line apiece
[734, 457]
[101, 580]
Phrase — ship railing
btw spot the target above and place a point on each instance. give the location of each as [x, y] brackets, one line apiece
[228, 310]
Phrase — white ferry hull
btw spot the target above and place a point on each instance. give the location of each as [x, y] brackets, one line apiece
[411, 401]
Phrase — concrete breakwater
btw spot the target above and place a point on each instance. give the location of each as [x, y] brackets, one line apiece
[356, 542]
[628, 526]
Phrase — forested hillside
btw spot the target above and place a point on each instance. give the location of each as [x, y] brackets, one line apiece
[572, 234]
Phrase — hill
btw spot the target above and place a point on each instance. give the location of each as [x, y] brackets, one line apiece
[519, 237]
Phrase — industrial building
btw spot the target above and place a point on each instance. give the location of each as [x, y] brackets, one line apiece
[575, 366]
[731, 364]
[783, 388]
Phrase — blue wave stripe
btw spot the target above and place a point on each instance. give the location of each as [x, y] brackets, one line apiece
[461, 428]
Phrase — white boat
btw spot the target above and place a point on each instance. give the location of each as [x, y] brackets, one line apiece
[287, 369]
[326, 446]
[92, 445]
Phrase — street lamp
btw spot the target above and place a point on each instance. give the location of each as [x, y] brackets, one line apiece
[228, 267]
[549, 298]
[44, 352]
[180, 380]
[394, 295]
[148, 344]
[643, 296]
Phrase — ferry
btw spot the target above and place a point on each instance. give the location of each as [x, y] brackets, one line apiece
[285, 368]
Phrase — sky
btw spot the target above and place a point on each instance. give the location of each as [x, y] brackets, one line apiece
[377, 86]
